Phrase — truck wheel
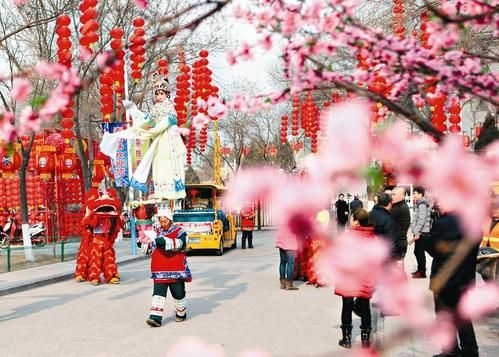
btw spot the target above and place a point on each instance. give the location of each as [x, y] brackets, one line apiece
[220, 250]
[234, 245]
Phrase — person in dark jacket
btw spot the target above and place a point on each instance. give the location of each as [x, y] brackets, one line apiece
[355, 204]
[445, 235]
[341, 212]
[383, 223]
[402, 218]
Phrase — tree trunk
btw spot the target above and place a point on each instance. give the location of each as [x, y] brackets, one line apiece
[26, 153]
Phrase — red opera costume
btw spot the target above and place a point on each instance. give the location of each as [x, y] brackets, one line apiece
[101, 225]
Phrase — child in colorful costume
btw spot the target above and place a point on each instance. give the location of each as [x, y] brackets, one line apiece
[169, 268]
[101, 225]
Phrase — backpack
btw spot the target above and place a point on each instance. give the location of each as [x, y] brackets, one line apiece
[434, 215]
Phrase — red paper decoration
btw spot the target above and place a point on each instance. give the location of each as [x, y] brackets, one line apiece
[284, 128]
[116, 74]
[455, 118]
[183, 92]
[295, 116]
[137, 48]
[398, 25]
[64, 56]
[89, 25]
[425, 17]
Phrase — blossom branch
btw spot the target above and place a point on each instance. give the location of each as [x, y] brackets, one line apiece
[462, 18]
[36, 23]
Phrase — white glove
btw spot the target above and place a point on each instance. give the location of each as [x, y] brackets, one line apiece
[128, 104]
[168, 244]
[178, 244]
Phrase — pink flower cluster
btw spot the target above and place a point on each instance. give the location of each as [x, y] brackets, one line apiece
[30, 120]
[314, 29]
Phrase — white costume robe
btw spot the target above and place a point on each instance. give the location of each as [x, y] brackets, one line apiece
[166, 153]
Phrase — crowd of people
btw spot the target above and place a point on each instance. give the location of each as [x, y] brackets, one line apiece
[432, 229]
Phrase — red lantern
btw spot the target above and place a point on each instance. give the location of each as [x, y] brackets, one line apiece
[45, 165]
[10, 162]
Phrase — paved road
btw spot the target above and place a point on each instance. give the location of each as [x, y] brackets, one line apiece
[234, 301]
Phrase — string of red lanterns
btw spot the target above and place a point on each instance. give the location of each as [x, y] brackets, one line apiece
[117, 72]
[183, 93]
[284, 129]
[137, 48]
[455, 118]
[295, 115]
[398, 25]
[89, 26]
[64, 57]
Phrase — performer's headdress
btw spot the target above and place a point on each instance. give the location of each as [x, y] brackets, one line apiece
[165, 212]
[161, 83]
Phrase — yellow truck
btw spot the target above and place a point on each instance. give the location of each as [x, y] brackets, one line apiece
[207, 225]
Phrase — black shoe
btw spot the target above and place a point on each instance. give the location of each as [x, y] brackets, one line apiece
[346, 341]
[250, 247]
[365, 334]
[153, 323]
[179, 318]
[243, 247]
[419, 275]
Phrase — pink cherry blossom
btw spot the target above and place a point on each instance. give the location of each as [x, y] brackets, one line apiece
[346, 126]
[365, 352]
[397, 296]
[254, 353]
[216, 109]
[85, 53]
[231, 58]
[452, 187]
[252, 185]
[50, 70]
[183, 131]
[21, 89]
[353, 263]
[193, 347]
[200, 120]
[28, 120]
[442, 332]
[19, 3]
[141, 4]
[479, 301]
[7, 129]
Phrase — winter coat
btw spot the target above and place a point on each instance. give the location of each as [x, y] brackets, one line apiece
[402, 221]
[441, 243]
[355, 205]
[341, 211]
[286, 242]
[170, 266]
[491, 234]
[247, 219]
[367, 289]
[383, 224]
[422, 217]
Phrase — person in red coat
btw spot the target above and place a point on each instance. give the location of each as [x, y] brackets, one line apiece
[360, 225]
[169, 268]
[247, 225]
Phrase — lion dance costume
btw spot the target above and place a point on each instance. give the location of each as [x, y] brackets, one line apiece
[101, 225]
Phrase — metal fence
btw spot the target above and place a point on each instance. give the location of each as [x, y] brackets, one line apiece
[13, 257]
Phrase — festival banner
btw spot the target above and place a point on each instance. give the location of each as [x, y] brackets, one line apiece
[119, 167]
